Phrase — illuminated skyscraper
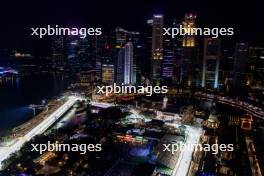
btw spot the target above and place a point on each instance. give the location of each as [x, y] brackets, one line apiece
[168, 61]
[120, 66]
[97, 54]
[189, 60]
[177, 54]
[211, 62]
[108, 73]
[147, 62]
[157, 46]
[129, 71]
[188, 24]
[121, 37]
[123, 41]
[138, 57]
[157, 37]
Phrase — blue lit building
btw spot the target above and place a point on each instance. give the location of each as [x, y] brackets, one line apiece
[211, 62]
[168, 60]
[128, 49]
[129, 75]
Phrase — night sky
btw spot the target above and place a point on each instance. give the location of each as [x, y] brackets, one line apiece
[18, 16]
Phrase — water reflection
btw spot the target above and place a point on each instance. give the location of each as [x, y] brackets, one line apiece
[17, 93]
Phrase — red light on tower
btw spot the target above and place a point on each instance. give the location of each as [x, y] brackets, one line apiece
[106, 46]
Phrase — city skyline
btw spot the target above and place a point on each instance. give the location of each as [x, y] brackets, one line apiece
[16, 30]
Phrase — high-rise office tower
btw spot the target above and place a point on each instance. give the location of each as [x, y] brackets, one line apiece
[177, 52]
[168, 61]
[240, 61]
[188, 24]
[79, 54]
[123, 39]
[57, 52]
[157, 46]
[86, 59]
[129, 72]
[72, 45]
[189, 60]
[226, 66]
[102, 54]
[97, 54]
[108, 73]
[120, 66]
[157, 37]
[106, 52]
[120, 39]
[211, 62]
[147, 62]
[138, 50]
[256, 56]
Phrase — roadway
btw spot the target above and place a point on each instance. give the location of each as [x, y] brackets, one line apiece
[251, 109]
[193, 135]
[6, 151]
[185, 158]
